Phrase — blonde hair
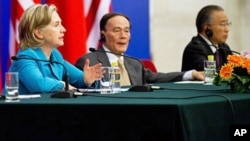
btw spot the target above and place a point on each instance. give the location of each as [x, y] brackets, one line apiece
[35, 17]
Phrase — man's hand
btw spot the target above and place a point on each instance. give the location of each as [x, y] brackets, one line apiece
[198, 75]
[91, 73]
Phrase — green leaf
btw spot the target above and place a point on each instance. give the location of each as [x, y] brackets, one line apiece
[217, 80]
[244, 79]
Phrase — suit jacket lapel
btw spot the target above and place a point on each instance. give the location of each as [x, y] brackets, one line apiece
[103, 58]
[207, 48]
[132, 72]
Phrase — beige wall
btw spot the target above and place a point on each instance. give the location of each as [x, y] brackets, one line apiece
[173, 25]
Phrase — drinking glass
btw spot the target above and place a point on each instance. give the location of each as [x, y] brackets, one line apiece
[11, 84]
[105, 81]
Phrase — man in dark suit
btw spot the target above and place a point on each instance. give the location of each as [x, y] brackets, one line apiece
[213, 27]
[115, 36]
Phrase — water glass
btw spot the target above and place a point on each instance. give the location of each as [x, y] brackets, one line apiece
[105, 81]
[116, 79]
[11, 85]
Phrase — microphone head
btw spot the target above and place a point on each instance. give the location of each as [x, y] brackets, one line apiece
[14, 58]
[92, 49]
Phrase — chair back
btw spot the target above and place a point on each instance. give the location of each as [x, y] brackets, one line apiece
[149, 64]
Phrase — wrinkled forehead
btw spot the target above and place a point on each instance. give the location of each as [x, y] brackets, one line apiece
[117, 22]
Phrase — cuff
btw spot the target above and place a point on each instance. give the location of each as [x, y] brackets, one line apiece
[187, 75]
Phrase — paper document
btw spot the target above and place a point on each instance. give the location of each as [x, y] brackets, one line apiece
[29, 96]
[99, 90]
[189, 82]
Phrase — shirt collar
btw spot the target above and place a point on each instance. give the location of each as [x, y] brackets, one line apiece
[112, 57]
[213, 48]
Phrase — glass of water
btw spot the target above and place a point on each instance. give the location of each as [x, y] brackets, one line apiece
[11, 85]
[105, 81]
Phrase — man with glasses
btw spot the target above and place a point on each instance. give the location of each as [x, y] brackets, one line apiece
[213, 28]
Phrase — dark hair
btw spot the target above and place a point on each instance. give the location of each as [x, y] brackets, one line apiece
[105, 19]
[204, 16]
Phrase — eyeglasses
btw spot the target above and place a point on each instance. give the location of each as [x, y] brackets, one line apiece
[224, 24]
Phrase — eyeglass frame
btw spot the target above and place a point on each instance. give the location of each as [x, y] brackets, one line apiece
[223, 24]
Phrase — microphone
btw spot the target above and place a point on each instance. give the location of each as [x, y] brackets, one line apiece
[139, 88]
[60, 94]
[223, 48]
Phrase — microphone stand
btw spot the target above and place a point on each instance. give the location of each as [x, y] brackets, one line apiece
[138, 88]
[66, 93]
[141, 88]
[223, 48]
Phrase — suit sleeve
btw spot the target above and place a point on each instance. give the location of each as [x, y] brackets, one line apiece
[193, 57]
[160, 77]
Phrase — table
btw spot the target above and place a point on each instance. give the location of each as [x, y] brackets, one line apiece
[180, 112]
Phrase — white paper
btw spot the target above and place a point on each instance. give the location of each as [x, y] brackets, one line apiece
[99, 90]
[29, 96]
[189, 82]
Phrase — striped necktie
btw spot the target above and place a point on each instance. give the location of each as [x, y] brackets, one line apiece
[124, 74]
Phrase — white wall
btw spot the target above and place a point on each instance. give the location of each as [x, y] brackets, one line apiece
[173, 26]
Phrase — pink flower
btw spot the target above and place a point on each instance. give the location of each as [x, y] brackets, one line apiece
[245, 54]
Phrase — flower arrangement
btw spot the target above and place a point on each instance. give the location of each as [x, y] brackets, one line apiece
[235, 73]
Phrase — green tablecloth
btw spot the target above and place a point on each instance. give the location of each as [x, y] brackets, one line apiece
[188, 112]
